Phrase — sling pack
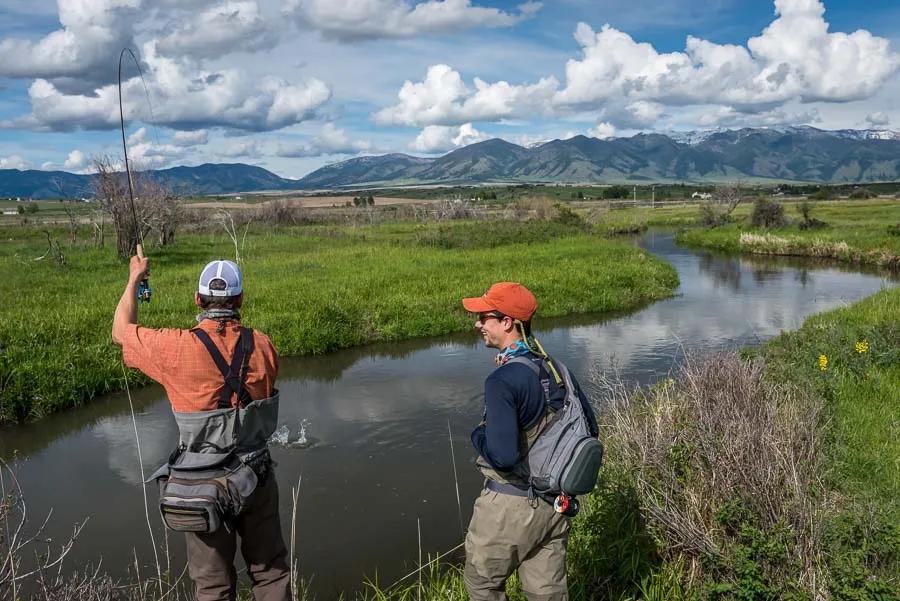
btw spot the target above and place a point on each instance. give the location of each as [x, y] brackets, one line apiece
[564, 457]
[222, 455]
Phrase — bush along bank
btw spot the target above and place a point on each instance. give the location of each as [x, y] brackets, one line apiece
[313, 289]
[861, 232]
[770, 474]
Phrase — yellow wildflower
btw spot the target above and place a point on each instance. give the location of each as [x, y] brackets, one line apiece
[823, 362]
[862, 347]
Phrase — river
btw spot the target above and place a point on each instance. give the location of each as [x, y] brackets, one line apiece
[375, 422]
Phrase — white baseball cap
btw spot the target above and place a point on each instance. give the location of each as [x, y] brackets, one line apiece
[223, 270]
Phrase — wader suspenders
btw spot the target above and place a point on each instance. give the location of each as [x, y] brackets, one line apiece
[234, 374]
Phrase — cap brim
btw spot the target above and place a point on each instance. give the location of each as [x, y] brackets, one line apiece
[477, 305]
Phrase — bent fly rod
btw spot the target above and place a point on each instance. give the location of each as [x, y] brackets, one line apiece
[144, 292]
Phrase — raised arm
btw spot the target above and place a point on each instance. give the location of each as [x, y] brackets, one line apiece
[126, 310]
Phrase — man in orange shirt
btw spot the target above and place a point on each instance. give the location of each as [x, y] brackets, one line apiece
[192, 367]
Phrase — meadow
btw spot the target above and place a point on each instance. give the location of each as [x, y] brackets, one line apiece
[313, 289]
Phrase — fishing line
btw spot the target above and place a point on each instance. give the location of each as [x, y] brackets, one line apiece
[137, 440]
[455, 478]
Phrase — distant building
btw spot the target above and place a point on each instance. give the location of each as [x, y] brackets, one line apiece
[702, 195]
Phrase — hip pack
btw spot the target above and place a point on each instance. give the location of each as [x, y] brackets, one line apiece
[564, 458]
[204, 490]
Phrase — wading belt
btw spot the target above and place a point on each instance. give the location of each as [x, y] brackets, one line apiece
[506, 489]
[235, 374]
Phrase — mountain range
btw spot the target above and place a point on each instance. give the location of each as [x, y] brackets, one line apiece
[792, 153]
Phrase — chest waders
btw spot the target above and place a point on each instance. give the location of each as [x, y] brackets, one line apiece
[558, 455]
[222, 454]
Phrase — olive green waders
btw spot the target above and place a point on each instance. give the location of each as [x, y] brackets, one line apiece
[211, 556]
[509, 532]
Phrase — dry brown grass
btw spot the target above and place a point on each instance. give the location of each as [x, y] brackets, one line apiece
[719, 435]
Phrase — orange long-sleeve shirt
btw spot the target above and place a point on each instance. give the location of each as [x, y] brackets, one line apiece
[178, 360]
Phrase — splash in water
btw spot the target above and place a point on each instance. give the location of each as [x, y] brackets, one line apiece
[282, 436]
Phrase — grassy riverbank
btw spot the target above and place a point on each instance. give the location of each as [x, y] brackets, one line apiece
[313, 289]
[766, 476]
[865, 232]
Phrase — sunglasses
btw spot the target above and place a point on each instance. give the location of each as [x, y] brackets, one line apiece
[483, 317]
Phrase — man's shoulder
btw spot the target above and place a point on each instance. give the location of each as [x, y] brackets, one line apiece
[513, 372]
[137, 332]
[261, 340]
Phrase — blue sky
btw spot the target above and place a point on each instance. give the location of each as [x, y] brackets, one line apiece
[291, 85]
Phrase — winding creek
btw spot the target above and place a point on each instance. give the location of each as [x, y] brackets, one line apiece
[376, 452]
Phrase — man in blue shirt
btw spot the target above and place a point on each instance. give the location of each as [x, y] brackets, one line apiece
[510, 528]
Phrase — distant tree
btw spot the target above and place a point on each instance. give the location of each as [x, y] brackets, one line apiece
[616, 192]
[718, 209]
[823, 193]
[370, 200]
[155, 209]
[767, 213]
[862, 194]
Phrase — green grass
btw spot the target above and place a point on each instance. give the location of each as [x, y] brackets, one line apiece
[861, 537]
[312, 289]
[862, 390]
[856, 231]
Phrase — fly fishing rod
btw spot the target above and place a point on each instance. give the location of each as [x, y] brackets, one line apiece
[144, 292]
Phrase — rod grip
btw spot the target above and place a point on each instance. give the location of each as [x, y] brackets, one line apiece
[140, 250]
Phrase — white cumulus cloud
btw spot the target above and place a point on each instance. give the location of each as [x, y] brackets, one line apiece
[246, 148]
[727, 116]
[878, 119]
[81, 52]
[441, 138]
[14, 161]
[183, 96]
[330, 140]
[444, 99]
[76, 161]
[348, 20]
[603, 130]
[220, 29]
[794, 57]
[146, 154]
[197, 137]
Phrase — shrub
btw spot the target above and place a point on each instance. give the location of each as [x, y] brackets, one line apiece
[821, 194]
[767, 213]
[280, 212]
[616, 192]
[711, 214]
[894, 230]
[726, 464]
[567, 216]
[862, 194]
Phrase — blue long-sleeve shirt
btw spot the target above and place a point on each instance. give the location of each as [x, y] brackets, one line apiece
[514, 402]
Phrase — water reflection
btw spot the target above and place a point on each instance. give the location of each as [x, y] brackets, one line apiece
[379, 418]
